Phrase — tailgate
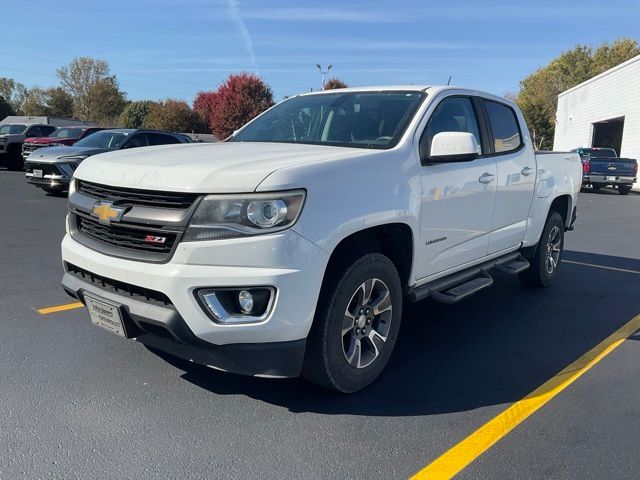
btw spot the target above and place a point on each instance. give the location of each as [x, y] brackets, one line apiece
[613, 166]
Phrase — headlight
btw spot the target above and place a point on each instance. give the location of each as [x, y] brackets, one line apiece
[56, 144]
[229, 216]
[75, 158]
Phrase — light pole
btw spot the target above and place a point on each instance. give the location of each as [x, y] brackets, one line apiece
[323, 72]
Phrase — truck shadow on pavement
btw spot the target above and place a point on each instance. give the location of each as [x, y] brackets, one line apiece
[494, 348]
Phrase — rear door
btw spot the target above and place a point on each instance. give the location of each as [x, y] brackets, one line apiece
[457, 197]
[516, 167]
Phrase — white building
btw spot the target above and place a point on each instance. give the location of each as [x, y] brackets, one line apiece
[604, 111]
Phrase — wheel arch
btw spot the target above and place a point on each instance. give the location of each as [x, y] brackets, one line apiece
[394, 240]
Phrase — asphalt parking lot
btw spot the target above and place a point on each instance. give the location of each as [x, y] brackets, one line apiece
[79, 402]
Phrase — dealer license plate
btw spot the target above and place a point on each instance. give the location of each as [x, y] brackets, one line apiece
[611, 179]
[37, 173]
[105, 315]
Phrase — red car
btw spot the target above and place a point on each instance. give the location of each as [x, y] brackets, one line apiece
[60, 136]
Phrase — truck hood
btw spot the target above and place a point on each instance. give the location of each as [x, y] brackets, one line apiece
[62, 154]
[227, 167]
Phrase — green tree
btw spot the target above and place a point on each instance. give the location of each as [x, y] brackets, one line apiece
[105, 102]
[135, 114]
[538, 95]
[60, 103]
[5, 108]
[13, 92]
[83, 79]
[172, 115]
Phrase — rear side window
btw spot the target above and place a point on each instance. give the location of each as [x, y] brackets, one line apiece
[162, 139]
[504, 127]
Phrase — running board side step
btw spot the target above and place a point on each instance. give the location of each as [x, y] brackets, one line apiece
[460, 285]
[463, 290]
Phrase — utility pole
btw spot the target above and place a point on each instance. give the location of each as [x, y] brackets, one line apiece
[323, 72]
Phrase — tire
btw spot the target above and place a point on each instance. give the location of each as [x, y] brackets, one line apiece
[332, 359]
[15, 162]
[543, 269]
[597, 186]
[624, 189]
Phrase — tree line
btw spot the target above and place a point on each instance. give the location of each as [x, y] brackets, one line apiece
[88, 91]
[538, 94]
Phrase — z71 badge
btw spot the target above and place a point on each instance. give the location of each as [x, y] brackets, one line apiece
[155, 239]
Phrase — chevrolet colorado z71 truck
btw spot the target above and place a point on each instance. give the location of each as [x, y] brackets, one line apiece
[602, 167]
[288, 248]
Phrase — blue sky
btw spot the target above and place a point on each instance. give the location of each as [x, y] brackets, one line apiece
[175, 48]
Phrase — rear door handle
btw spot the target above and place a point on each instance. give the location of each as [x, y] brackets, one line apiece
[486, 178]
[526, 171]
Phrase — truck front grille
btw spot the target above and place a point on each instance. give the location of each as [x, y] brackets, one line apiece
[130, 196]
[47, 168]
[29, 148]
[130, 237]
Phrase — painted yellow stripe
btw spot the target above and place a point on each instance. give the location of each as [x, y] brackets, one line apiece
[60, 308]
[465, 452]
[602, 266]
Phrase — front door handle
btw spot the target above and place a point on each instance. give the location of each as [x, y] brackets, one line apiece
[486, 178]
[526, 171]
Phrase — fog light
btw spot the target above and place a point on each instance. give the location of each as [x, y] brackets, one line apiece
[236, 305]
[245, 300]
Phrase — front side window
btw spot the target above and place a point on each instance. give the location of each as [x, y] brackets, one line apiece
[67, 133]
[13, 129]
[103, 139]
[347, 119]
[453, 114]
[504, 127]
[162, 139]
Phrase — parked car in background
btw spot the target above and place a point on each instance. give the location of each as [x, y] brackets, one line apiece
[602, 167]
[61, 136]
[288, 249]
[52, 168]
[15, 129]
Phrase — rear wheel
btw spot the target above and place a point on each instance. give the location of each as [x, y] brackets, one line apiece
[356, 325]
[548, 253]
[624, 189]
[597, 186]
[14, 159]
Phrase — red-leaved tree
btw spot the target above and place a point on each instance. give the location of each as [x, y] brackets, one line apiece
[239, 99]
[334, 83]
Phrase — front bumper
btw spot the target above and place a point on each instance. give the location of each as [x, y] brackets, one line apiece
[286, 261]
[608, 179]
[53, 175]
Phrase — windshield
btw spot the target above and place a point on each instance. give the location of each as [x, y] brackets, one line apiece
[67, 133]
[12, 129]
[597, 153]
[347, 119]
[104, 139]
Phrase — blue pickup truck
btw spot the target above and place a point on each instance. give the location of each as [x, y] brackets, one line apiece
[602, 167]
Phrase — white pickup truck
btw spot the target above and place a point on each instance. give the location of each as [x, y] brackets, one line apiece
[288, 248]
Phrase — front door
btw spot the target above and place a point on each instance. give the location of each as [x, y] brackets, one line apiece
[457, 197]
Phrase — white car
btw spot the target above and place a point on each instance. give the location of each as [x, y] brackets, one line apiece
[288, 248]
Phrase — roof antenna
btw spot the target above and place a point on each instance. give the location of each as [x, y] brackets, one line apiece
[449, 81]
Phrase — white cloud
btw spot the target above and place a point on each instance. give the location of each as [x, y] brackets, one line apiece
[302, 14]
[234, 9]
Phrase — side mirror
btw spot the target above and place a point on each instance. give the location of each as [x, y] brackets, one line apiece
[453, 147]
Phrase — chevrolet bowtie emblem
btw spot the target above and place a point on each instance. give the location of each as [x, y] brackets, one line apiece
[612, 167]
[106, 213]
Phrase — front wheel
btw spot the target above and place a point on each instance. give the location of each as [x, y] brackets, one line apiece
[356, 325]
[548, 254]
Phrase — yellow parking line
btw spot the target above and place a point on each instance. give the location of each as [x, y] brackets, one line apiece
[465, 452]
[602, 266]
[60, 308]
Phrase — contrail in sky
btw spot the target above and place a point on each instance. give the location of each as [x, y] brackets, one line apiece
[234, 8]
